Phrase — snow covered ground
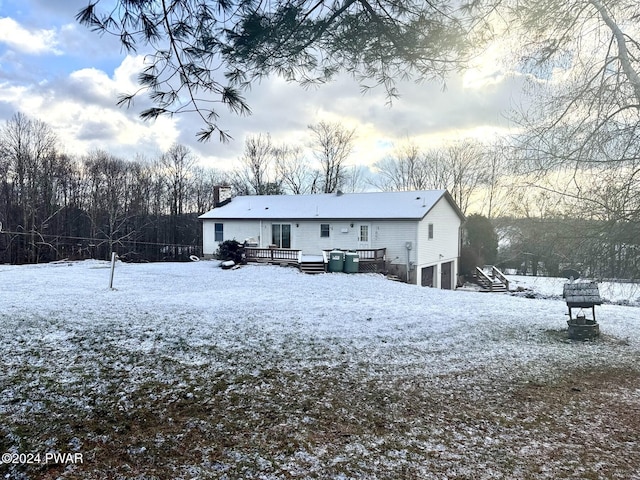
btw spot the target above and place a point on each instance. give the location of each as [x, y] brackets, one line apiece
[621, 293]
[190, 371]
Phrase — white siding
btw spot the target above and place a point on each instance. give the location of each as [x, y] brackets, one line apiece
[394, 235]
[391, 235]
[238, 230]
[444, 246]
[305, 235]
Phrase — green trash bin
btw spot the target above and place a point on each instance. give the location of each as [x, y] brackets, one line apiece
[336, 261]
[351, 262]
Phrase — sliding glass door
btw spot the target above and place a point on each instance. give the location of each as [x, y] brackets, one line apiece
[281, 235]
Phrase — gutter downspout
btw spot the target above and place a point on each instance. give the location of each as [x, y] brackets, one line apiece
[408, 246]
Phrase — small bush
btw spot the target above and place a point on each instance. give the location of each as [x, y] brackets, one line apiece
[232, 250]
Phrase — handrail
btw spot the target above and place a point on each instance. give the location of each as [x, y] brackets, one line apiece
[272, 253]
[500, 275]
[497, 278]
[486, 279]
[375, 254]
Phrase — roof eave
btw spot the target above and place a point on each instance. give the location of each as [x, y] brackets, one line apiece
[309, 219]
[447, 196]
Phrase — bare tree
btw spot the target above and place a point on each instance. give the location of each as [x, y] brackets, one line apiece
[205, 179]
[465, 161]
[581, 137]
[495, 182]
[54, 206]
[459, 168]
[438, 173]
[255, 175]
[584, 58]
[178, 163]
[356, 178]
[293, 170]
[404, 170]
[109, 189]
[28, 150]
[332, 144]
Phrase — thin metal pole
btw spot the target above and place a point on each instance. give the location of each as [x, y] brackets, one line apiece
[113, 267]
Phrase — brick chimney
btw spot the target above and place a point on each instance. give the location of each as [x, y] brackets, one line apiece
[221, 195]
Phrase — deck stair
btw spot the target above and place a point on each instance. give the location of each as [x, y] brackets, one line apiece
[312, 267]
[491, 279]
[312, 264]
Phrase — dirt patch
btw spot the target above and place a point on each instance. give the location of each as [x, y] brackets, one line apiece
[337, 423]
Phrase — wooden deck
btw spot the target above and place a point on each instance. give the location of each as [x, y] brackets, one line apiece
[273, 255]
[370, 254]
[371, 259]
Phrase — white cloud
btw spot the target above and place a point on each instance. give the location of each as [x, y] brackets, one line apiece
[82, 111]
[35, 42]
[81, 108]
[126, 74]
[425, 113]
[92, 84]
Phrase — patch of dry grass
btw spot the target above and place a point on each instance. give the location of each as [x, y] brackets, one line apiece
[179, 421]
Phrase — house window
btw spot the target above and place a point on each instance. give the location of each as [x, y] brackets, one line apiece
[364, 233]
[281, 235]
[430, 231]
[324, 230]
[219, 232]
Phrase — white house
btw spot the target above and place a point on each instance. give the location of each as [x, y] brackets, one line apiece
[420, 230]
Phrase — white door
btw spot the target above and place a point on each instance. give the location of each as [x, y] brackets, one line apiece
[364, 236]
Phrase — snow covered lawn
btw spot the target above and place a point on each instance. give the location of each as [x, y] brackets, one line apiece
[623, 293]
[188, 371]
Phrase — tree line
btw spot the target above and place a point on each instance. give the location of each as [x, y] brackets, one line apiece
[267, 168]
[54, 206]
[583, 215]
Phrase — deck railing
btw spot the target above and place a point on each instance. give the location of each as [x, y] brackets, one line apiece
[372, 256]
[367, 254]
[375, 254]
[273, 254]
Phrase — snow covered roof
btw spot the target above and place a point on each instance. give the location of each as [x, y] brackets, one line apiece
[374, 205]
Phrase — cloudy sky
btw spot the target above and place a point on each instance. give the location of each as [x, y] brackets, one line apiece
[57, 71]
